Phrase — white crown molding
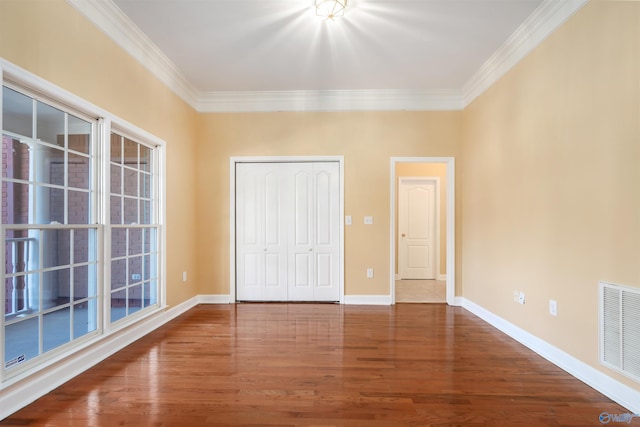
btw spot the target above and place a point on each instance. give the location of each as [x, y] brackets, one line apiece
[550, 15]
[542, 22]
[105, 15]
[329, 100]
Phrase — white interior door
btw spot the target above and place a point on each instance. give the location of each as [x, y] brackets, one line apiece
[314, 251]
[417, 228]
[287, 231]
[261, 235]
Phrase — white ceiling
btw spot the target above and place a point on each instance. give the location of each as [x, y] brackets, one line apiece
[277, 55]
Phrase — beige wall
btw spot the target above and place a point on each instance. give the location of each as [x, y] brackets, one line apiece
[427, 170]
[551, 178]
[52, 40]
[367, 140]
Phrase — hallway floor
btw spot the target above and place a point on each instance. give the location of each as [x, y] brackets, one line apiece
[421, 291]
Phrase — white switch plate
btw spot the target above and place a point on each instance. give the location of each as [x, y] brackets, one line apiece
[347, 220]
[553, 307]
[368, 220]
[370, 273]
[184, 276]
[521, 297]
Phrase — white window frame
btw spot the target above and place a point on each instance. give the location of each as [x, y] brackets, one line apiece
[15, 76]
[129, 131]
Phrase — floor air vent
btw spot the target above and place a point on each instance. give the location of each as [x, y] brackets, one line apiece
[620, 329]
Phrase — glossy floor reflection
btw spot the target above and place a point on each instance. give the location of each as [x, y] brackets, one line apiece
[322, 364]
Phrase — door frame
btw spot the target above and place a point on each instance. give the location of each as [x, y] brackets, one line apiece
[451, 238]
[436, 214]
[232, 208]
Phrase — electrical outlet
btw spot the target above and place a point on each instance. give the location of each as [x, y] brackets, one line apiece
[370, 273]
[368, 220]
[553, 307]
[521, 297]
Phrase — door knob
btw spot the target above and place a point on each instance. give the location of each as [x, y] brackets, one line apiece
[404, 235]
[310, 249]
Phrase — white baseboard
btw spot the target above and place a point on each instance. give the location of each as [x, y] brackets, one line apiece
[458, 301]
[28, 390]
[348, 299]
[367, 299]
[214, 299]
[613, 389]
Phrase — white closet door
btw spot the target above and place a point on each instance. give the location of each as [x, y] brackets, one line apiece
[287, 231]
[261, 235]
[301, 242]
[314, 249]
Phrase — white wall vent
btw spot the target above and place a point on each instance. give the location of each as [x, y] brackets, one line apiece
[620, 329]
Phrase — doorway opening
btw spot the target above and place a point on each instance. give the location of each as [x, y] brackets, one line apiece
[422, 229]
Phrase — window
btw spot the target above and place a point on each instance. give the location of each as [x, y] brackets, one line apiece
[50, 242]
[81, 231]
[134, 228]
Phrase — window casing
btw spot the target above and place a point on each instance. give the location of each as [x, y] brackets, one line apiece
[82, 229]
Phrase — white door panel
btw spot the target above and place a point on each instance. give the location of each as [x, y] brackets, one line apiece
[324, 203]
[260, 234]
[325, 267]
[273, 231]
[303, 207]
[416, 228]
[327, 232]
[287, 231]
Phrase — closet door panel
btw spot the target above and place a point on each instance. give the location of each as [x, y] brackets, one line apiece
[324, 270]
[301, 269]
[327, 231]
[261, 243]
[302, 206]
[248, 248]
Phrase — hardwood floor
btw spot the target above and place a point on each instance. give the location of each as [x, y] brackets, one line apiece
[322, 365]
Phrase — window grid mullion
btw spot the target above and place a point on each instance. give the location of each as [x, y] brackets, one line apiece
[2, 303]
[33, 164]
[72, 273]
[40, 295]
[65, 203]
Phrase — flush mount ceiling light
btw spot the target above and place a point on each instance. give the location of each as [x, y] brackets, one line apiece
[330, 9]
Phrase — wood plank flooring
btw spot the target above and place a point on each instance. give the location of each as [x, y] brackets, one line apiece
[321, 365]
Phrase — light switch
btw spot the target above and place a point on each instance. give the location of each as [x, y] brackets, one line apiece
[347, 220]
[368, 220]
